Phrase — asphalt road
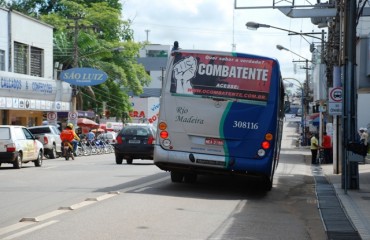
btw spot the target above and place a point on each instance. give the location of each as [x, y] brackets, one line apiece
[93, 198]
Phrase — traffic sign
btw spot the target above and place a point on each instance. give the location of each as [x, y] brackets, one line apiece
[72, 115]
[51, 116]
[335, 95]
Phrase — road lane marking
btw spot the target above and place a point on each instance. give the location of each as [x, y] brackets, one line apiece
[14, 227]
[24, 222]
[18, 234]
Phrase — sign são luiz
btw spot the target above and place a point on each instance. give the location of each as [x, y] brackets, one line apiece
[83, 76]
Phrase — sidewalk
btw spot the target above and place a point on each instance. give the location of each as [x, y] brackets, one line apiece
[355, 203]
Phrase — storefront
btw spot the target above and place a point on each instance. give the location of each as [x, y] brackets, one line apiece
[24, 99]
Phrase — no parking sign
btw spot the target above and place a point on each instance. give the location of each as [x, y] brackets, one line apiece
[52, 118]
[72, 118]
[335, 101]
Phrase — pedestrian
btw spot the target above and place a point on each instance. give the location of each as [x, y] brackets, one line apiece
[363, 136]
[90, 136]
[314, 148]
[363, 140]
[326, 145]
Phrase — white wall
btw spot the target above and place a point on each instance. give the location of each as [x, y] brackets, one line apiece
[363, 113]
[4, 43]
[34, 33]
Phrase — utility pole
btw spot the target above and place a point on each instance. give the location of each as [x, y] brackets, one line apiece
[75, 63]
[350, 178]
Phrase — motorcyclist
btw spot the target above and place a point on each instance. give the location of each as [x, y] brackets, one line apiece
[66, 135]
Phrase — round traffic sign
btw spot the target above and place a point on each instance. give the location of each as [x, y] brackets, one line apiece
[51, 116]
[72, 115]
[335, 95]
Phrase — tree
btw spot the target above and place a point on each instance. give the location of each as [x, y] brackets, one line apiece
[104, 41]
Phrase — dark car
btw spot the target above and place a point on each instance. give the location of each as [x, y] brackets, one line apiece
[135, 142]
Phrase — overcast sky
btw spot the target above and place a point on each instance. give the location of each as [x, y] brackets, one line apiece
[216, 25]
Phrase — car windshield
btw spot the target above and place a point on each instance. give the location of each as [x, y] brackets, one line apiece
[137, 131]
[39, 130]
[4, 133]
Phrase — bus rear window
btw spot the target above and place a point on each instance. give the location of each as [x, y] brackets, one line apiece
[221, 76]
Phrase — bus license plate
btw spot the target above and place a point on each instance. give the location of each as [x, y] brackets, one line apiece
[214, 141]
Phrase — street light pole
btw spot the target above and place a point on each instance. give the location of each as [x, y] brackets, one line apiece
[255, 26]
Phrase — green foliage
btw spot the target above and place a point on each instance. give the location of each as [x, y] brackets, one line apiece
[91, 33]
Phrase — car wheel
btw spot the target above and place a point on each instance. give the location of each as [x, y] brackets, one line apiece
[176, 176]
[18, 161]
[190, 178]
[119, 160]
[38, 161]
[53, 152]
[129, 160]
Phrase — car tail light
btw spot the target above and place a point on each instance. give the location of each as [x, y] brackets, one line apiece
[119, 139]
[10, 147]
[46, 140]
[151, 140]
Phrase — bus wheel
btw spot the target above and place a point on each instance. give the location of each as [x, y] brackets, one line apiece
[190, 178]
[176, 176]
[267, 183]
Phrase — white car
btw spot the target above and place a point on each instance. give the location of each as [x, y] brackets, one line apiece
[49, 136]
[109, 137]
[18, 146]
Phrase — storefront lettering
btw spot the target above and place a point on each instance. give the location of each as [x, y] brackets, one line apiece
[11, 83]
[42, 87]
[156, 106]
[137, 114]
[83, 76]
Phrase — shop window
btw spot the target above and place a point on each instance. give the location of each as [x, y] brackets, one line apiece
[37, 55]
[2, 60]
[20, 58]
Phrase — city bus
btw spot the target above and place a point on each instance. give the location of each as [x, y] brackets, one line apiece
[220, 113]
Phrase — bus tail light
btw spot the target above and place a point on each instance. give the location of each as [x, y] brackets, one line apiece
[265, 145]
[163, 134]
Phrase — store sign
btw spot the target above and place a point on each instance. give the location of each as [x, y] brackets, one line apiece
[83, 76]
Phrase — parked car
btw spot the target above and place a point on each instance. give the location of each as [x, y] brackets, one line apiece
[108, 136]
[49, 136]
[135, 142]
[18, 146]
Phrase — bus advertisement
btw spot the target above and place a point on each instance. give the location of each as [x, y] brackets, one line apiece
[221, 113]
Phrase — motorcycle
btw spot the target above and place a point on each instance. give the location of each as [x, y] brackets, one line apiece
[67, 150]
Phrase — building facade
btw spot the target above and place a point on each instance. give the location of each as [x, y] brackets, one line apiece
[28, 90]
[154, 58]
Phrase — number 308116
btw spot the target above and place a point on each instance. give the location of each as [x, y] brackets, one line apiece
[246, 125]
